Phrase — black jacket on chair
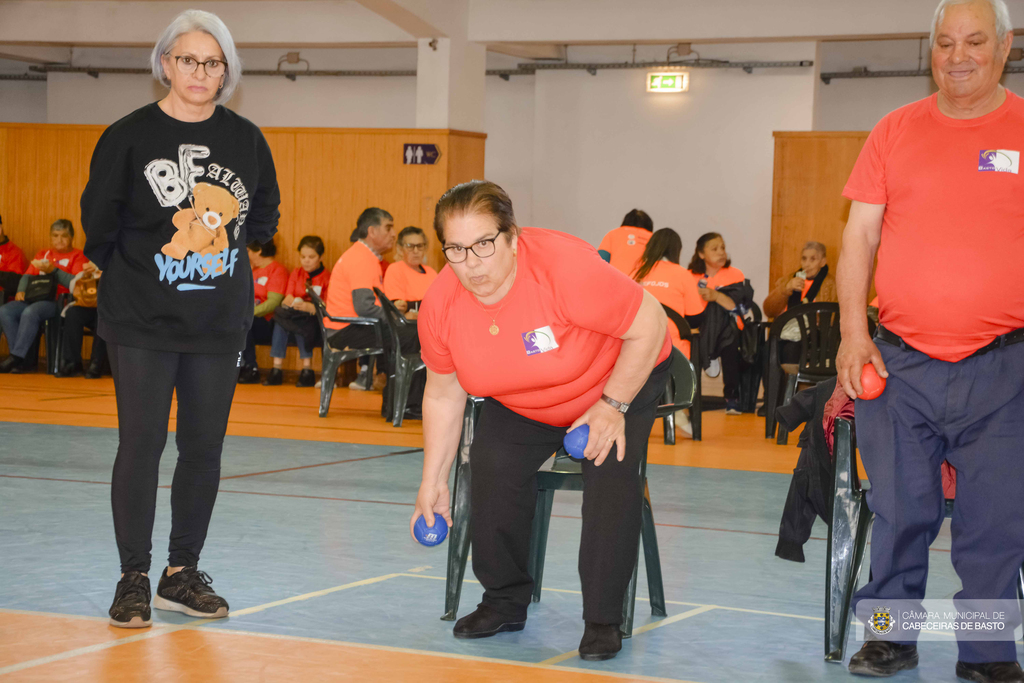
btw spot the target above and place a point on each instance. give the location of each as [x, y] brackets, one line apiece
[718, 326]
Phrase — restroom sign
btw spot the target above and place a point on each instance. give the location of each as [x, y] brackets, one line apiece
[420, 154]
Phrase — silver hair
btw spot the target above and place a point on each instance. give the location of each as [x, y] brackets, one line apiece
[999, 8]
[816, 246]
[197, 20]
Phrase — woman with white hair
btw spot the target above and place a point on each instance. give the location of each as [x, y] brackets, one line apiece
[176, 190]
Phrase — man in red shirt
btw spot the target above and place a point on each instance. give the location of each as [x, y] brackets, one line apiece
[623, 246]
[12, 266]
[937, 192]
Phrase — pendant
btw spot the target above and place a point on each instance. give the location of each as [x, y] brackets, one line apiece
[494, 329]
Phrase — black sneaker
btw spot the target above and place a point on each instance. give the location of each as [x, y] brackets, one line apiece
[306, 378]
[189, 592]
[131, 602]
[990, 672]
[274, 378]
[882, 658]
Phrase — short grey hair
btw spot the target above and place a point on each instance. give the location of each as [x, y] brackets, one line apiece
[999, 8]
[816, 246]
[197, 20]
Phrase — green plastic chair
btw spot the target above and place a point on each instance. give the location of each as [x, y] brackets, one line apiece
[565, 475]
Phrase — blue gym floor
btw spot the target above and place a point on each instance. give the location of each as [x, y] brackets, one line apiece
[320, 516]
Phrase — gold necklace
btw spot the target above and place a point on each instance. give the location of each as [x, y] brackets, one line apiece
[493, 329]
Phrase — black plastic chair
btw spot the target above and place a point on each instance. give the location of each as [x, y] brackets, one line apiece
[565, 475]
[405, 365]
[687, 334]
[332, 358]
[819, 343]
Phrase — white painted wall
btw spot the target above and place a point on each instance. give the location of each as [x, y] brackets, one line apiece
[509, 124]
[23, 101]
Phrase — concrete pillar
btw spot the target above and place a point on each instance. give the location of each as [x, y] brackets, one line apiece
[450, 84]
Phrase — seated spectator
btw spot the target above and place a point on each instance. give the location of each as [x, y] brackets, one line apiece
[367, 381]
[295, 318]
[12, 266]
[712, 270]
[270, 280]
[623, 246]
[811, 283]
[407, 281]
[78, 315]
[350, 292]
[672, 285]
[22, 318]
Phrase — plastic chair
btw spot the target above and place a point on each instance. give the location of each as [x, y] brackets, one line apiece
[687, 333]
[332, 358]
[405, 365]
[565, 475]
[819, 343]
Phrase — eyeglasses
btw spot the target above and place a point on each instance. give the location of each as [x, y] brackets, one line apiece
[214, 68]
[415, 247]
[481, 249]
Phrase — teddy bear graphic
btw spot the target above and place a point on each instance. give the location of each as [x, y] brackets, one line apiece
[202, 227]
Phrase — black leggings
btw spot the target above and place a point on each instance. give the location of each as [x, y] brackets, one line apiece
[507, 451]
[144, 381]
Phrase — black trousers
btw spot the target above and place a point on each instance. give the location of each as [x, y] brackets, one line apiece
[731, 372]
[8, 286]
[507, 451]
[363, 336]
[261, 332]
[76, 319]
[144, 381]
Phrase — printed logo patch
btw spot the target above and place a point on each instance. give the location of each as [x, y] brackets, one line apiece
[539, 341]
[999, 160]
[262, 282]
[317, 289]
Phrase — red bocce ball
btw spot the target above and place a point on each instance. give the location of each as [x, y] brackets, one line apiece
[872, 384]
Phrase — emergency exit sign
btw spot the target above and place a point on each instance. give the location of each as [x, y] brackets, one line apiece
[675, 81]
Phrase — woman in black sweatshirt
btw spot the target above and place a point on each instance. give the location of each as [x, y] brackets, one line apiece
[176, 190]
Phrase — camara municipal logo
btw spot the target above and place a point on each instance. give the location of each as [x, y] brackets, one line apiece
[881, 621]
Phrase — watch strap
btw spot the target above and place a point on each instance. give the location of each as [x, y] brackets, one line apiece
[618, 405]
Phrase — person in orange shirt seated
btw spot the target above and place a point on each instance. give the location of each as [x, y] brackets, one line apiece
[672, 285]
[12, 266]
[553, 338]
[295, 318]
[270, 279]
[623, 246]
[406, 281]
[712, 269]
[812, 282]
[21, 319]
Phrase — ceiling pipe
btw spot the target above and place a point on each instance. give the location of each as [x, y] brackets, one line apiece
[865, 73]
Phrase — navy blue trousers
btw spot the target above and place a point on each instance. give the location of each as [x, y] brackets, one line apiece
[970, 413]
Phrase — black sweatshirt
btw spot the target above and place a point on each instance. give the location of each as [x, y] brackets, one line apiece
[167, 213]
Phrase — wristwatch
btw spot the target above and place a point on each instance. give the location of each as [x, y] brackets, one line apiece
[618, 405]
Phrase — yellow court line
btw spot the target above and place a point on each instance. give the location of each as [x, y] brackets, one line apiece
[30, 613]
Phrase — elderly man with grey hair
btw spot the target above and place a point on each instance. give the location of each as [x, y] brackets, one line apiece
[937, 192]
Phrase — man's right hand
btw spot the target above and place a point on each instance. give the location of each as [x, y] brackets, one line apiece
[430, 501]
[854, 353]
[796, 284]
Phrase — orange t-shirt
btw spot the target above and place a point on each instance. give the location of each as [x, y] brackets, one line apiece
[725, 276]
[559, 329]
[673, 286]
[69, 261]
[11, 258]
[358, 268]
[401, 281]
[626, 245]
[298, 279]
[954, 203]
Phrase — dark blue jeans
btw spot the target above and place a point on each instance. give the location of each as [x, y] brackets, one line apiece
[970, 413]
[21, 323]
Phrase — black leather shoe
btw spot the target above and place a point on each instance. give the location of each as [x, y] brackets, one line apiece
[274, 378]
[8, 364]
[413, 413]
[21, 367]
[306, 378]
[249, 375]
[990, 672]
[70, 370]
[882, 658]
[95, 371]
[484, 623]
[600, 641]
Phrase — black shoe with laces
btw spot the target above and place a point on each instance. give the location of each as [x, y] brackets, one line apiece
[990, 672]
[189, 592]
[600, 642]
[882, 658]
[274, 378]
[306, 378]
[131, 602]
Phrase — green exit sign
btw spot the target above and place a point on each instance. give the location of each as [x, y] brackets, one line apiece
[673, 81]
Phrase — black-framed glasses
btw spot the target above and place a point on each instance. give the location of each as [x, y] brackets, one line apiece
[480, 248]
[188, 64]
[415, 247]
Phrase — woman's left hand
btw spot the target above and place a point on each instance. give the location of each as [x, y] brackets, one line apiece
[607, 429]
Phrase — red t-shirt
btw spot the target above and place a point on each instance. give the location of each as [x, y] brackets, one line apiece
[626, 245]
[12, 260]
[272, 277]
[725, 276]
[297, 283]
[358, 268]
[954, 207]
[68, 261]
[673, 286]
[559, 329]
[401, 281]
